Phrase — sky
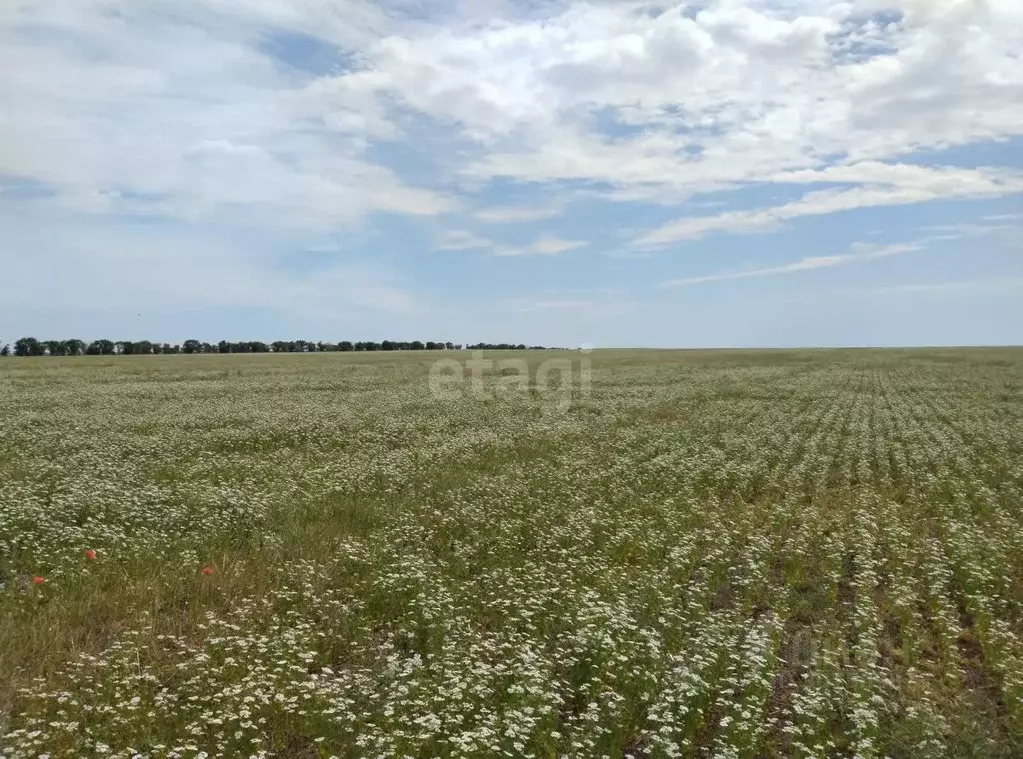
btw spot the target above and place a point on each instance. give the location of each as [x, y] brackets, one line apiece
[713, 173]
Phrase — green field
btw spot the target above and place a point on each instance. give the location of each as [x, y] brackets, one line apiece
[707, 553]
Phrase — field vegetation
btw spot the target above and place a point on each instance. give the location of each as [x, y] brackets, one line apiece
[717, 553]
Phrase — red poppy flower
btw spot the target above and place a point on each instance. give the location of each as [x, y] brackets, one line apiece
[90, 554]
[207, 570]
[37, 580]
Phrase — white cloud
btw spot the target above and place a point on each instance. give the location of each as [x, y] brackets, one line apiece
[185, 104]
[515, 214]
[1002, 284]
[180, 104]
[956, 231]
[882, 185]
[545, 245]
[462, 239]
[860, 252]
[753, 90]
[496, 112]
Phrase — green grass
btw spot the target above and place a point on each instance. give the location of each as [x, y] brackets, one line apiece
[727, 553]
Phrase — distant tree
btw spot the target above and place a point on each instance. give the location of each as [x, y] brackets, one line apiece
[499, 346]
[101, 348]
[73, 347]
[28, 346]
[5, 351]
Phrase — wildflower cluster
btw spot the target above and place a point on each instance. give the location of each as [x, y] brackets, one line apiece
[728, 554]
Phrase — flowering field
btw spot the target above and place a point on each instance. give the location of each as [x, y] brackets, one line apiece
[728, 554]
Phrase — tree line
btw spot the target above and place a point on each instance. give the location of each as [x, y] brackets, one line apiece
[30, 346]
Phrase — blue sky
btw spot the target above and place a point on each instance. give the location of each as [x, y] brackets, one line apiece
[712, 173]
